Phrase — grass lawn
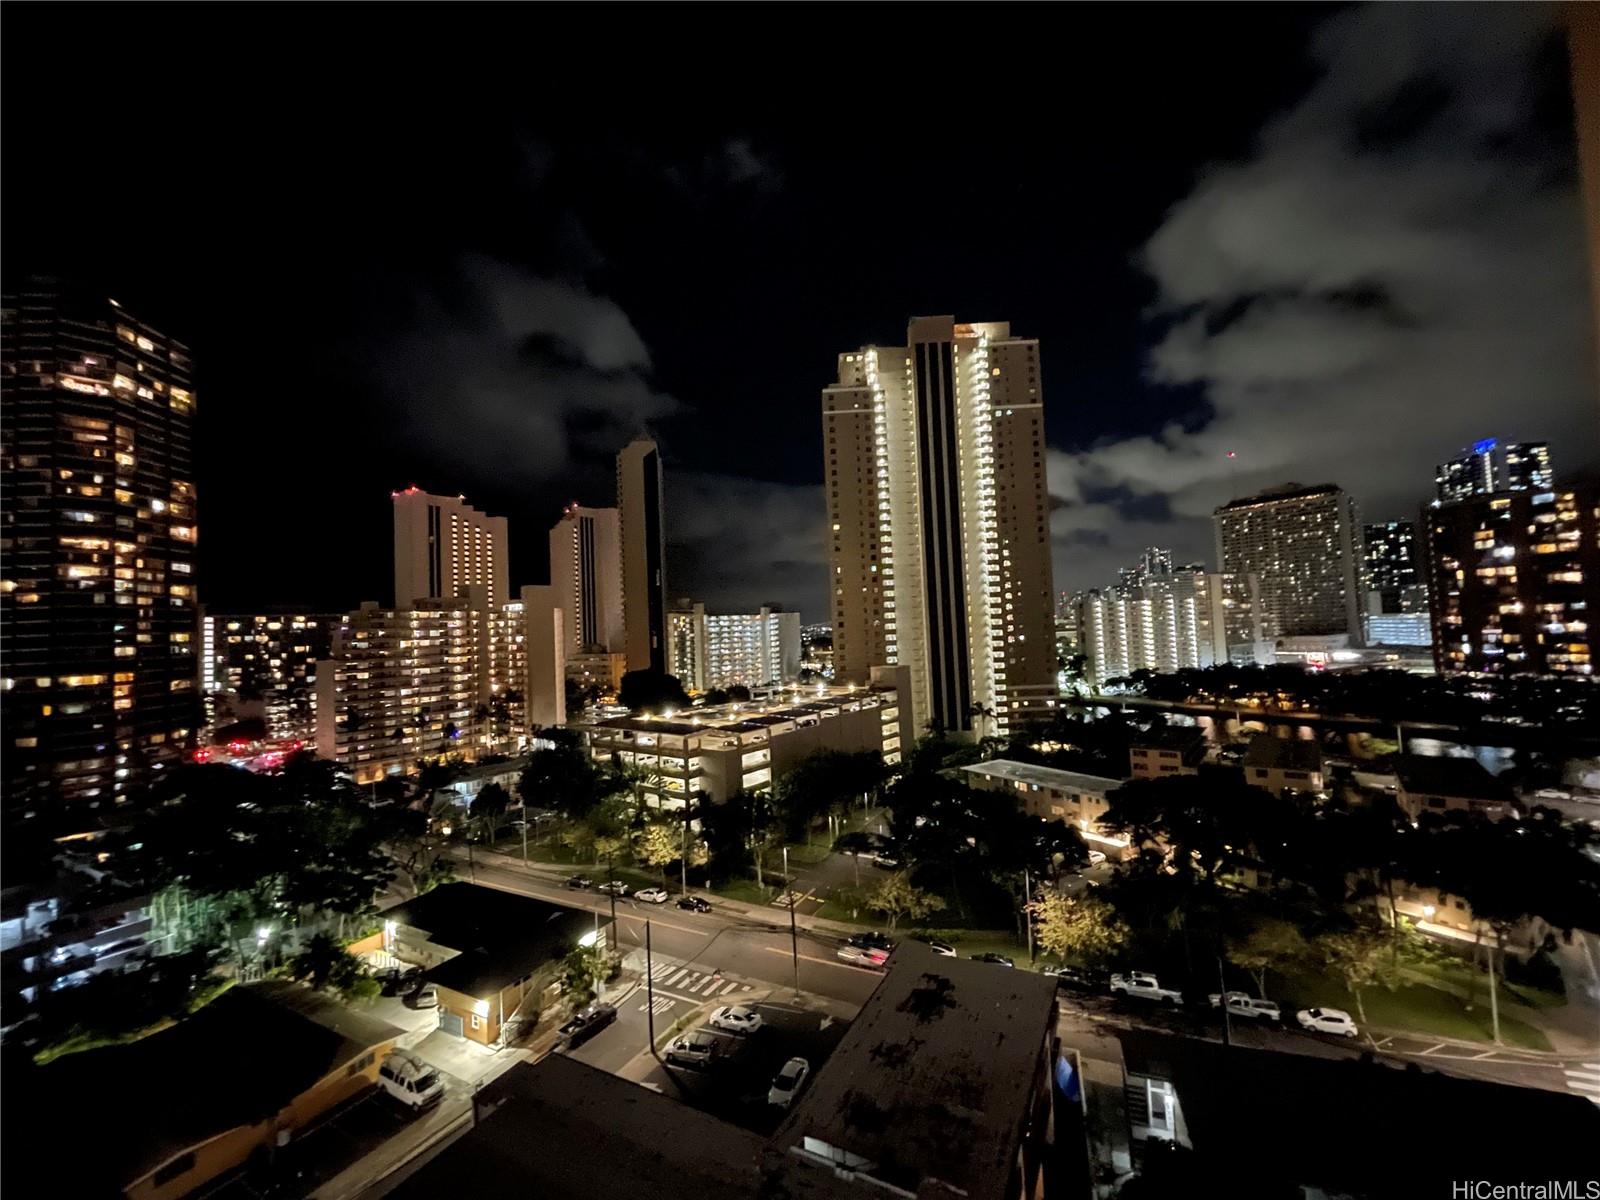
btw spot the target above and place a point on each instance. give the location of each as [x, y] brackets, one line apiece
[745, 891]
[805, 854]
[1417, 1008]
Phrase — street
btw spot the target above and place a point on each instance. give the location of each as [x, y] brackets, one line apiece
[1575, 1074]
[734, 943]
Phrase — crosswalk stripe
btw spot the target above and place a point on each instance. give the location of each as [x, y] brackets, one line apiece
[1583, 1075]
[732, 986]
[1591, 1066]
[1579, 1086]
[666, 968]
[682, 971]
[711, 984]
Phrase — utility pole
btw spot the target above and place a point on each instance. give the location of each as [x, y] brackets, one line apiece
[649, 989]
[1027, 899]
[794, 944]
[611, 893]
[1227, 1021]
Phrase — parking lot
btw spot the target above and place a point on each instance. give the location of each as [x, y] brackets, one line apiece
[734, 1086]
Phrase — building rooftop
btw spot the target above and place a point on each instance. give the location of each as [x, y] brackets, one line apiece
[240, 1059]
[928, 1089]
[1284, 491]
[559, 1127]
[501, 936]
[1464, 778]
[1046, 777]
[1169, 737]
[1284, 754]
[1248, 1142]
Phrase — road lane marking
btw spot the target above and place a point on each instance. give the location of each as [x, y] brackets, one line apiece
[827, 962]
[733, 985]
[677, 975]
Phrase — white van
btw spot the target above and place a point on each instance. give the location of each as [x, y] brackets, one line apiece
[410, 1080]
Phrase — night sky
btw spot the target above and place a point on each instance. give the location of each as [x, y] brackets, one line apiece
[477, 249]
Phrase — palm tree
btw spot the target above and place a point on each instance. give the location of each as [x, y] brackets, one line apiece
[980, 713]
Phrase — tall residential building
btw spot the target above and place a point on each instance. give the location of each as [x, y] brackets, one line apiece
[1514, 581]
[752, 648]
[939, 548]
[1492, 466]
[687, 658]
[586, 571]
[644, 555]
[1304, 546]
[720, 650]
[99, 631]
[1192, 618]
[543, 680]
[1393, 573]
[442, 546]
[1155, 561]
[404, 685]
[265, 665]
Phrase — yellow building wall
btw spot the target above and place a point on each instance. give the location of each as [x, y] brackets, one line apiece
[232, 1149]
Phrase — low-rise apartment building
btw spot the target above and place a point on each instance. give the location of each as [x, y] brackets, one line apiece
[1055, 795]
[1440, 785]
[491, 954]
[1173, 750]
[1279, 765]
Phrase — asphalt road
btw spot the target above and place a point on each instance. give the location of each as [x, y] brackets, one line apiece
[1577, 1075]
[719, 940]
[756, 952]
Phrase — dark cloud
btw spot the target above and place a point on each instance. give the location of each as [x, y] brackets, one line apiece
[508, 374]
[740, 543]
[1396, 270]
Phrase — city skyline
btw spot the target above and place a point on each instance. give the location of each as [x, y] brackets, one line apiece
[509, 364]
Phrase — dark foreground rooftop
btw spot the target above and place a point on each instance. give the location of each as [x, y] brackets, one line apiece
[560, 1128]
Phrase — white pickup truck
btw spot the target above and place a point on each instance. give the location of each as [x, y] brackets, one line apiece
[1141, 985]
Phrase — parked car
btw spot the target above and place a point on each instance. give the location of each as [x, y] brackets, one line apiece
[1096, 857]
[788, 1082]
[426, 996]
[1141, 985]
[578, 882]
[1080, 979]
[886, 860]
[863, 956]
[1327, 1020]
[409, 1080]
[651, 895]
[613, 887]
[694, 904]
[699, 1048]
[736, 1018]
[584, 1025]
[871, 941]
[999, 960]
[943, 949]
[1242, 1004]
[397, 981]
